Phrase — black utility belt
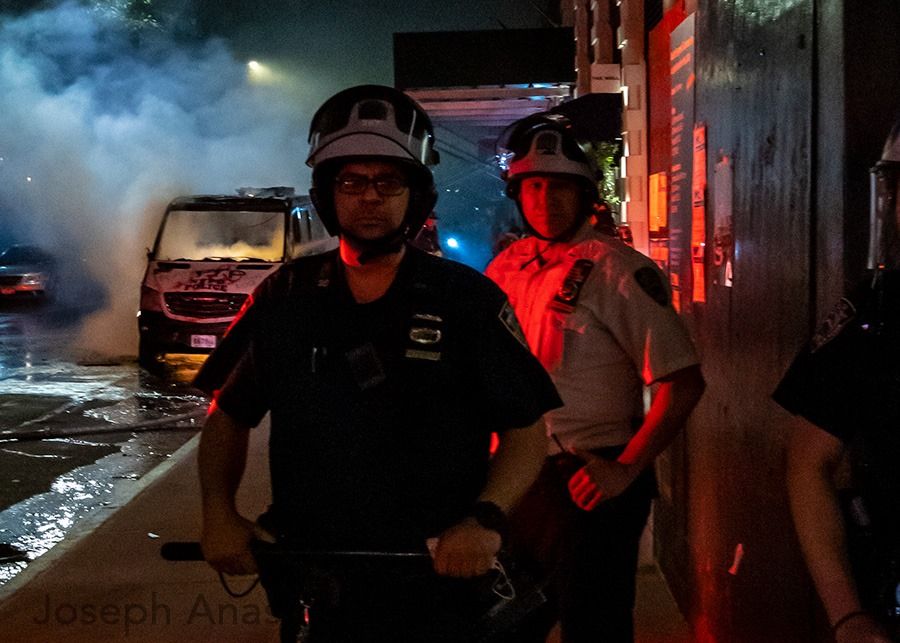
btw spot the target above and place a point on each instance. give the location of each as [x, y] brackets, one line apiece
[566, 464]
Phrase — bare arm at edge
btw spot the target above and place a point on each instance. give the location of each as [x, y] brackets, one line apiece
[813, 458]
[222, 457]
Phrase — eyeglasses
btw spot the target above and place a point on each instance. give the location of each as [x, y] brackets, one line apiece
[385, 184]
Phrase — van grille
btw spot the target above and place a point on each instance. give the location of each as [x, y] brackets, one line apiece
[204, 305]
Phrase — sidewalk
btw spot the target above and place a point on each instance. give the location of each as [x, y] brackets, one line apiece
[112, 585]
[108, 582]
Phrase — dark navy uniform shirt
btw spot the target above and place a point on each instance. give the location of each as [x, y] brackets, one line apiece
[381, 412]
[847, 378]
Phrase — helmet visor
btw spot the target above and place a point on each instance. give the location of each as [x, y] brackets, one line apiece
[371, 120]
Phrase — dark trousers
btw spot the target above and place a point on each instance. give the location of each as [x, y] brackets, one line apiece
[372, 601]
[362, 602]
[590, 558]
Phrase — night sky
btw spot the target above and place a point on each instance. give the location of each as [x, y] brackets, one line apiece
[351, 44]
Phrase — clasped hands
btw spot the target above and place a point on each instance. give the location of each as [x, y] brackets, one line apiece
[599, 480]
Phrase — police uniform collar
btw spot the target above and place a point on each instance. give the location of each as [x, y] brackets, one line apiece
[406, 271]
[548, 249]
[585, 232]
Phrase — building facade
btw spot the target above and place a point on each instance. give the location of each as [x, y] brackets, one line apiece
[749, 130]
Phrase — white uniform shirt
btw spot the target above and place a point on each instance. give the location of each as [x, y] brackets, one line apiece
[618, 335]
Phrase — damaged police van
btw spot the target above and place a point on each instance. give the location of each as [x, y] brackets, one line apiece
[210, 253]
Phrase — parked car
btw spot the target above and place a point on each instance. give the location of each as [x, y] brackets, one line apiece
[26, 271]
[210, 253]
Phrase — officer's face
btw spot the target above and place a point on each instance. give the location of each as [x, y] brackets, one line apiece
[550, 204]
[370, 198]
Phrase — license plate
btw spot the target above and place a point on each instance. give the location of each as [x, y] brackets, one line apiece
[203, 341]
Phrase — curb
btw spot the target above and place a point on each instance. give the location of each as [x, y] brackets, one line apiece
[90, 523]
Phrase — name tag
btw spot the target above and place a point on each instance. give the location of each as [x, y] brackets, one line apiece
[567, 295]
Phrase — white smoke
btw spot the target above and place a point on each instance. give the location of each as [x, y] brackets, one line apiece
[102, 126]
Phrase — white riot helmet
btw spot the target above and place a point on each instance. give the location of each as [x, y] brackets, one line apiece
[884, 236]
[373, 122]
[545, 144]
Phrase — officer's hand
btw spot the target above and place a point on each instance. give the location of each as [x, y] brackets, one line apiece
[225, 542]
[598, 480]
[465, 550]
[861, 629]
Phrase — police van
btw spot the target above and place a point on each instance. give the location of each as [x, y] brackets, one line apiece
[210, 253]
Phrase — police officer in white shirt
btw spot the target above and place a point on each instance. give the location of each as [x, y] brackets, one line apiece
[598, 315]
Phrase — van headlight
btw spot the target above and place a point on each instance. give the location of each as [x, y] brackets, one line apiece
[33, 279]
[151, 299]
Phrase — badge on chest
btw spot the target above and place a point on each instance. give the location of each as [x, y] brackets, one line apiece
[567, 295]
[424, 337]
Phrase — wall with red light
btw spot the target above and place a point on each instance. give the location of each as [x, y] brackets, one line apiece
[785, 92]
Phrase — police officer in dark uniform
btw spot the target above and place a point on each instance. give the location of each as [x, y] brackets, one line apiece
[385, 370]
[844, 389]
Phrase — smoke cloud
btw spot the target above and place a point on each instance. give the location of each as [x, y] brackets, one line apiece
[103, 125]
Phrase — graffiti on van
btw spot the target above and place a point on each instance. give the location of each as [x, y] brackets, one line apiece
[217, 279]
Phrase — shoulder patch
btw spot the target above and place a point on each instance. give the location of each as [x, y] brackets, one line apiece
[651, 283]
[841, 315]
[508, 318]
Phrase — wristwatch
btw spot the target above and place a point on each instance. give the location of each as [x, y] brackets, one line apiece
[490, 516]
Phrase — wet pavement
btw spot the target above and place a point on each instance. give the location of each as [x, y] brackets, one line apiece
[74, 427]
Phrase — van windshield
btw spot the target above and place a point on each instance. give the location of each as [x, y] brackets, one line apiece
[191, 235]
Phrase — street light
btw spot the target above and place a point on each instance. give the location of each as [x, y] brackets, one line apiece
[259, 73]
